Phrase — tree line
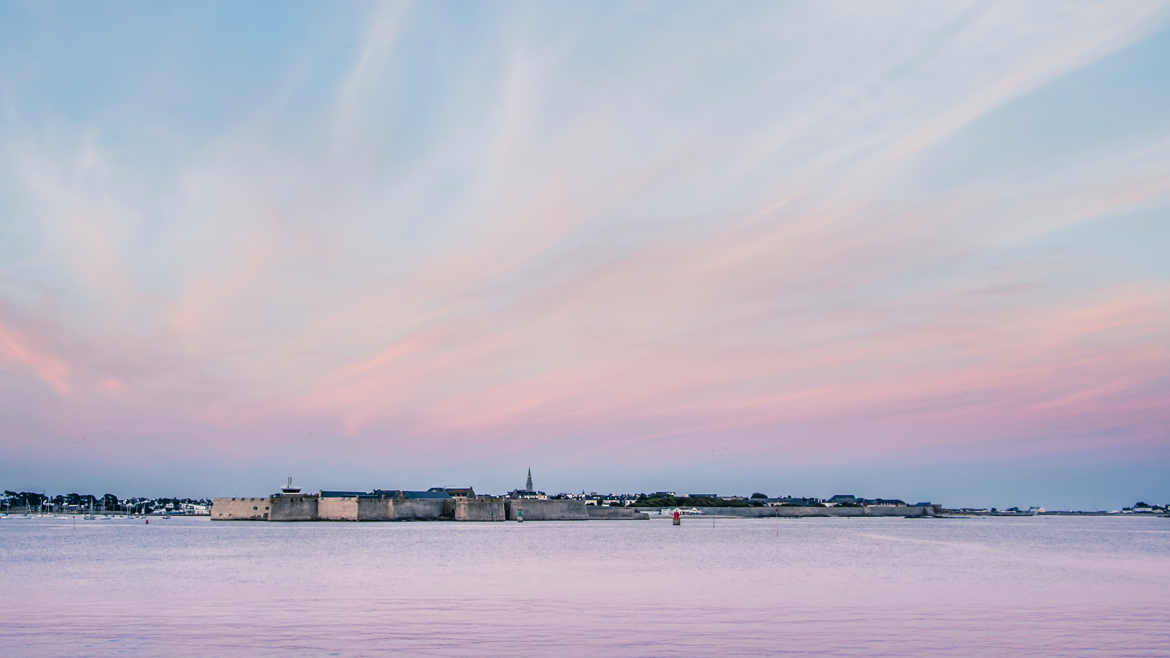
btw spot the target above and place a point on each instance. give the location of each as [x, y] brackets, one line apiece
[108, 502]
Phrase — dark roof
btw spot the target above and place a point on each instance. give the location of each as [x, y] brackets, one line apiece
[342, 494]
[881, 501]
[430, 493]
[433, 492]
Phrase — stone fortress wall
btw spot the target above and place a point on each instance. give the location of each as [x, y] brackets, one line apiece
[332, 508]
[310, 507]
[241, 509]
[374, 509]
[354, 506]
[426, 509]
[291, 507]
[794, 511]
[545, 510]
[480, 509]
[614, 513]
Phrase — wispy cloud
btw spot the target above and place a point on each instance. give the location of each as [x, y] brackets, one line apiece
[51, 369]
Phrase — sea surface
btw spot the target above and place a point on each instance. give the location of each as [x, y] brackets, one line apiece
[1032, 586]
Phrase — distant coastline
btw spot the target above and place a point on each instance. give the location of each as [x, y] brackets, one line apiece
[463, 503]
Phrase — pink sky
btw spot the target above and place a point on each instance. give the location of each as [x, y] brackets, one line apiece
[766, 263]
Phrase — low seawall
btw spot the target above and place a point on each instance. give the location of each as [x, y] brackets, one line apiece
[546, 510]
[793, 511]
[614, 513]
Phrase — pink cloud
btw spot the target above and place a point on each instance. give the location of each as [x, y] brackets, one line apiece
[112, 386]
[50, 368]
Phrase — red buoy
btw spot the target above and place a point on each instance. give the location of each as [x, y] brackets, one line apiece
[148, 522]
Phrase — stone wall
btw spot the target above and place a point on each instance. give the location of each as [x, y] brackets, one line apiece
[793, 511]
[479, 509]
[901, 510]
[375, 509]
[346, 508]
[614, 513]
[307, 507]
[294, 507]
[422, 509]
[331, 508]
[240, 509]
[546, 510]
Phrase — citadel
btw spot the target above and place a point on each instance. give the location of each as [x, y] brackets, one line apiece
[434, 504]
[528, 504]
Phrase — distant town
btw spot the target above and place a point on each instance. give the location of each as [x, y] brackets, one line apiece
[25, 502]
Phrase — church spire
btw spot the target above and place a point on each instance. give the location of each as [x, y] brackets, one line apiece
[528, 485]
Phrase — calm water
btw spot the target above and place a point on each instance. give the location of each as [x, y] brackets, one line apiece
[1008, 586]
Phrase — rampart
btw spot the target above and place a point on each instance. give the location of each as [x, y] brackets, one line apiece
[293, 507]
[383, 508]
[421, 509]
[334, 508]
[240, 509]
[794, 511]
[546, 510]
[375, 509]
[614, 513]
[311, 507]
[479, 509]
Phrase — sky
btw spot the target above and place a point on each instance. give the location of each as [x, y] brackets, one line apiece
[916, 250]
